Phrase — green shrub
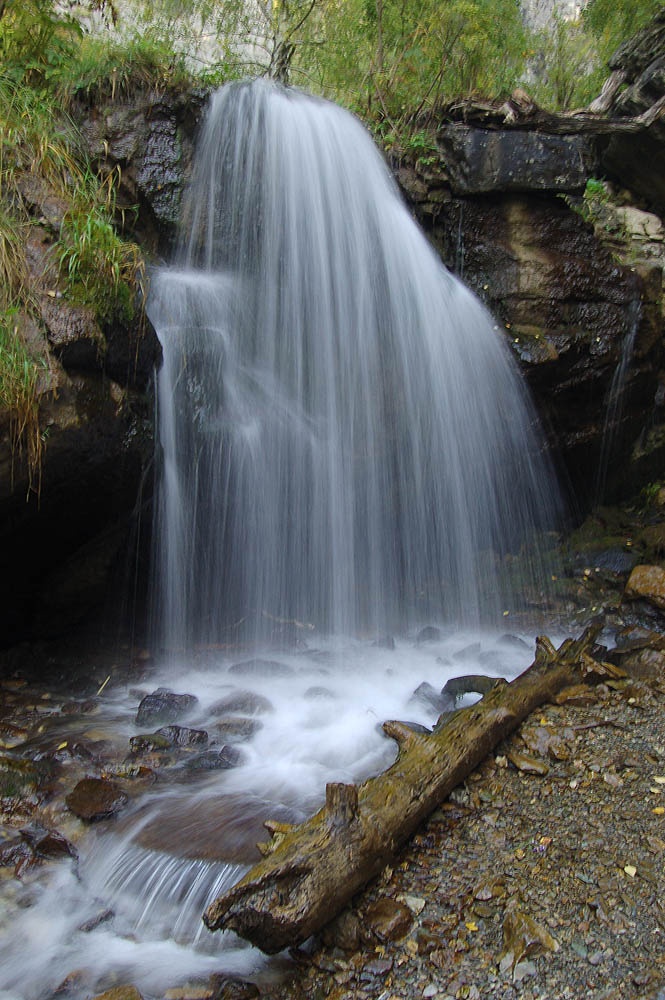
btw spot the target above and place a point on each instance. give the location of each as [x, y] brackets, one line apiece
[108, 67]
[19, 376]
[101, 269]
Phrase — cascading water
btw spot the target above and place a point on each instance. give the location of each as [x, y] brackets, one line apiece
[614, 400]
[345, 445]
[345, 441]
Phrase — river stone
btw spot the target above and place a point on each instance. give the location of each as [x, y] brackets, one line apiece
[389, 919]
[242, 703]
[430, 633]
[648, 664]
[218, 759]
[126, 992]
[180, 736]
[428, 696]
[343, 932]
[163, 705]
[93, 799]
[236, 729]
[318, 693]
[648, 583]
[13, 848]
[149, 742]
[261, 668]
[48, 843]
[224, 828]
[232, 989]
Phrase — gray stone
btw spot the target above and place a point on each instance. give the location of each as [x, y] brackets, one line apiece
[479, 160]
[164, 705]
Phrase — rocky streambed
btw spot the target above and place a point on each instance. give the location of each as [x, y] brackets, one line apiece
[131, 794]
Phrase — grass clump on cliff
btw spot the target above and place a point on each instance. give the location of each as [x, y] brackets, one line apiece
[46, 177]
[110, 67]
[99, 267]
[19, 377]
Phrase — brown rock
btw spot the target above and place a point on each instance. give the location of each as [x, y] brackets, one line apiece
[648, 583]
[96, 798]
[648, 664]
[388, 919]
[126, 992]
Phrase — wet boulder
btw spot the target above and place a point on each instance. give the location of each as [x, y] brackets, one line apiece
[181, 736]
[216, 759]
[165, 706]
[388, 919]
[94, 799]
[647, 583]
[261, 668]
[430, 633]
[125, 992]
[236, 728]
[48, 843]
[242, 703]
[427, 695]
[149, 743]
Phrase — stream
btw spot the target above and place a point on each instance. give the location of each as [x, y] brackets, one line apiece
[279, 726]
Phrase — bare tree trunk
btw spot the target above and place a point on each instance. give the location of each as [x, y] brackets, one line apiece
[311, 871]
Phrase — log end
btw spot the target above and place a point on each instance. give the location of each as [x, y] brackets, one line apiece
[402, 733]
[341, 804]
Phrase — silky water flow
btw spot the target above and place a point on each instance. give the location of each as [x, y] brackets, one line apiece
[346, 454]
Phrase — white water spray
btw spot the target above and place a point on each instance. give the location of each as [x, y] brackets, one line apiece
[345, 439]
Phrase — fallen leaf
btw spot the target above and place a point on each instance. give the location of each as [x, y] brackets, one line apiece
[659, 779]
[659, 810]
[630, 870]
[471, 925]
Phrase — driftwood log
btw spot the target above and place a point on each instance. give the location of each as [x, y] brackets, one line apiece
[311, 871]
[519, 112]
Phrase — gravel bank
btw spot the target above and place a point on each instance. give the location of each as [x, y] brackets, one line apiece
[544, 879]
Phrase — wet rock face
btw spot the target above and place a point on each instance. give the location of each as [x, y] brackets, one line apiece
[481, 161]
[566, 308]
[150, 138]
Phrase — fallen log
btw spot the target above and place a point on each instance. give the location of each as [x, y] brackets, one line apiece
[311, 871]
[512, 114]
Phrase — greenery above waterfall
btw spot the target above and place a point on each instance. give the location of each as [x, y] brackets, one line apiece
[392, 62]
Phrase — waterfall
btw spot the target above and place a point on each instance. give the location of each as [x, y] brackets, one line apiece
[615, 399]
[345, 441]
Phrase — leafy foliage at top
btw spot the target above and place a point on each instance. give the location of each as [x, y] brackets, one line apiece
[614, 21]
[40, 151]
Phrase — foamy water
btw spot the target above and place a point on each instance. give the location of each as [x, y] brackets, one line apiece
[154, 869]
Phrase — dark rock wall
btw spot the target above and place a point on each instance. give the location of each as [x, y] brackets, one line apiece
[565, 301]
[149, 141]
